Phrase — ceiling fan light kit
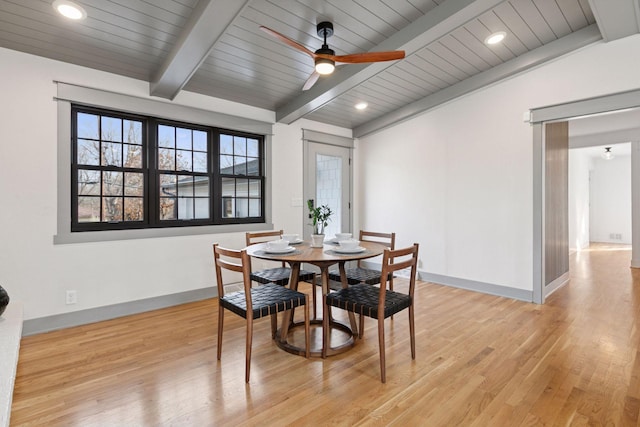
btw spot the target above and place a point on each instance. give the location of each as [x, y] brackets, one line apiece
[325, 58]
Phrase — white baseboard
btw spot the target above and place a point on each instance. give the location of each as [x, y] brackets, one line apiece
[82, 317]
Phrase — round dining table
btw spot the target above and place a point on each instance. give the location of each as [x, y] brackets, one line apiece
[322, 257]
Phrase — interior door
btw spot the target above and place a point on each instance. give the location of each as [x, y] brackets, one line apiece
[328, 182]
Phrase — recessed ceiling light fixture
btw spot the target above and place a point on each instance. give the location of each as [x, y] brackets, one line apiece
[69, 9]
[495, 38]
[361, 105]
[607, 155]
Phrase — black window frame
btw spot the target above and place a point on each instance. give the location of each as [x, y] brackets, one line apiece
[152, 172]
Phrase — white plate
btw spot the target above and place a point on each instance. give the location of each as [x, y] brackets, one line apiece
[280, 251]
[296, 242]
[350, 251]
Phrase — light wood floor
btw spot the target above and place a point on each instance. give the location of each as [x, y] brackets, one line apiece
[481, 361]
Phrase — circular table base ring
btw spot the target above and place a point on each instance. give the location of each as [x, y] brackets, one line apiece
[331, 351]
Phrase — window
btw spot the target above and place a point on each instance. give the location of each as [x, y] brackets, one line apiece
[133, 171]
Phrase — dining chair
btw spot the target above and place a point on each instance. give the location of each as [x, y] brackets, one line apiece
[370, 276]
[380, 302]
[252, 303]
[278, 275]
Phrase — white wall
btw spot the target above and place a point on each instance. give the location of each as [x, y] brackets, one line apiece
[37, 272]
[579, 166]
[458, 179]
[611, 200]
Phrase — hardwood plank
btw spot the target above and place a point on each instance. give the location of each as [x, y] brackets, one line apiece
[480, 360]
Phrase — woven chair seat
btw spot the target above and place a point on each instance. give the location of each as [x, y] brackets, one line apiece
[363, 299]
[266, 300]
[359, 275]
[279, 276]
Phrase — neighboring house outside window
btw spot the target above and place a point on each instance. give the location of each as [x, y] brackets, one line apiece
[132, 171]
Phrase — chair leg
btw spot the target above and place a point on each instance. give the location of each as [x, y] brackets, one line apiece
[383, 376]
[307, 331]
[325, 326]
[313, 292]
[220, 327]
[247, 368]
[361, 327]
[274, 325]
[412, 332]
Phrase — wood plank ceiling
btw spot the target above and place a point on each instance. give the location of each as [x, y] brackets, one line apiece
[215, 47]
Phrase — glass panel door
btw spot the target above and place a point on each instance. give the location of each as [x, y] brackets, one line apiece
[329, 183]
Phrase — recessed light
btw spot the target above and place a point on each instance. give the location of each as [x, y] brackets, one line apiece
[69, 9]
[495, 38]
[361, 105]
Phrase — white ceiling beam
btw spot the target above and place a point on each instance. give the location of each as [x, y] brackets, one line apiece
[526, 61]
[206, 25]
[432, 26]
[616, 19]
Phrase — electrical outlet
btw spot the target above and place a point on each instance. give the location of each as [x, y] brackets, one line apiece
[72, 297]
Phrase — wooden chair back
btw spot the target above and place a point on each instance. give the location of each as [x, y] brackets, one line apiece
[396, 260]
[386, 239]
[234, 260]
[263, 236]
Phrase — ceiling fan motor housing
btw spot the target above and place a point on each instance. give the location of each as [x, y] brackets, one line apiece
[325, 29]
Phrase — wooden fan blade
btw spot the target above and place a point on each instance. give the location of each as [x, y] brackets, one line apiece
[287, 41]
[313, 78]
[368, 57]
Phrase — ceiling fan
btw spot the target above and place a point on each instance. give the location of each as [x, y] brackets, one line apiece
[325, 58]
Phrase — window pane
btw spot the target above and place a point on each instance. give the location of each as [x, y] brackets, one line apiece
[254, 188]
[253, 166]
[88, 152]
[111, 154]
[226, 144]
[226, 165]
[185, 208]
[166, 136]
[239, 146]
[167, 159]
[185, 186]
[201, 188]
[111, 129]
[199, 140]
[112, 209]
[88, 183]
[253, 148]
[112, 183]
[242, 208]
[132, 132]
[240, 165]
[242, 188]
[133, 184]
[132, 156]
[88, 209]
[254, 207]
[183, 138]
[168, 186]
[199, 162]
[183, 161]
[87, 126]
[133, 209]
[228, 204]
[228, 187]
[201, 208]
[168, 208]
